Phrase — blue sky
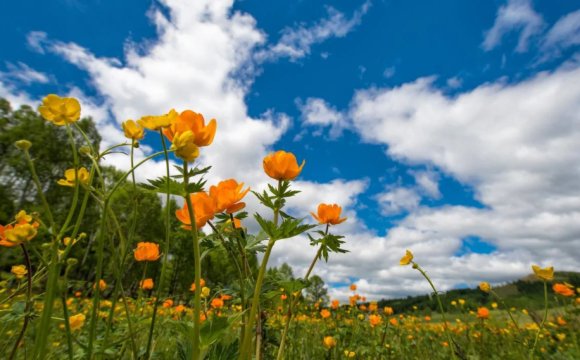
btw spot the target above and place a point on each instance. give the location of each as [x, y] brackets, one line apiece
[444, 127]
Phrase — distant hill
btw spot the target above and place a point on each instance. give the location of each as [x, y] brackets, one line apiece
[524, 293]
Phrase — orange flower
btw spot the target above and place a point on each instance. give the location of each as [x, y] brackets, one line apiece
[202, 282]
[194, 122]
[237, 225]
[227, 195]
[427, 318]
[375, 320]
[147, 251]
[328, 214]
[325, 313]
[335, 304]
[393, 321]
[283, 296]
[147, 284]
[168, 303]
[203, 208]
[562, 290]
[353, 287]
[180, 308]
[388, 311]
[226, 297]
[561, 321]
[482, 313]
[282, 166]
[217, 303]
[11, 236]
[102, 285]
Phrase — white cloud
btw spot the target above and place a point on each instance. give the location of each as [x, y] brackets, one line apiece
[296, 42]
[23, 73]
[516, 15]
[564, 33]
[455, 82]
[397, 200]
[317, 112]
[389, 72]
[35, 40]
[428, 182]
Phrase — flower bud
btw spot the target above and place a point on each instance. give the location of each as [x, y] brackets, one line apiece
[415, 266]
[23, 144]
[84, 151]
[46, 246]
[136, 144]
[72, 262]
[82, 235]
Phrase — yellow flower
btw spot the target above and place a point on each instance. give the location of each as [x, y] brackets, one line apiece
[350, 354]
[184, 146]
[561, 337]
[22, 216]
[70, 177]
[76, 321]
[485, 286]
[158, 122]
[282, 166]
[205, 292]
[19, 271]
[191, 121]
[329, 342]
[545, 273]
[461, 302]
[454, 303]
[328, 214]
[406, 260]
[494, 305]
[60, 111]
[20, 233]
[132, 130]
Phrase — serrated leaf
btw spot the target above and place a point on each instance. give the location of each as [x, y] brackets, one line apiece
[159, 186]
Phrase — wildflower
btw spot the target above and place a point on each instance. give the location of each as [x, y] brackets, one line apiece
[202, 283]
[132, 130]
[76, 321]
[494, 305]
[454, 303]
[22, 217]
[427, 318]
[363, 308]
[194, 122]
[461, 302]
[184, 146]
[69, 179]
[60, 111]
[372, 306]
[217, 303]
[329, 342]
[180, 308]
[545, 273]
[205, 292]
[283, 297]
[19, 271]
[23, 144]
[225, 297]
[561, 321]
[482, 313]
[561, 336]
[78, 294]
[102, 285]
[406, 260]
[388, 311]
[146, 284]
[349, 354]
[485, 286]
[328, 214]
[227, 196]
[146, 251]
[158, 122]
[325, 313]
[375, 320]
[335, 304]
[282, 166]
[562, 290]
[11, 236]
[353, 287]
[203, 208]
[237, 225]
[167, 303]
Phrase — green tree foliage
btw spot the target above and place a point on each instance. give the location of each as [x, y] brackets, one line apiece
[317, 290]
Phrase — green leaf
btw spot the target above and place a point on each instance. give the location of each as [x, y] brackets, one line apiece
[159, 186]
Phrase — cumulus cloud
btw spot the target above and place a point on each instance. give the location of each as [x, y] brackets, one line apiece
[397, 200]
[564, 34]
[317, 112]
[516, 15]
[296, 42]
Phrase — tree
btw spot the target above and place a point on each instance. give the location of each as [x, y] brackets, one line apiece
[317, 290]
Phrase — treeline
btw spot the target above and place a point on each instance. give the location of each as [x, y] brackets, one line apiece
[526, 293]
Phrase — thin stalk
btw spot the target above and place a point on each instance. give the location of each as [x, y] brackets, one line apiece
[77, 183]
[507, 310]
[40, 192]
[197, 264]
[451, 344]
[66, 317]
[533, 350]
[28, 297]
[166, 257]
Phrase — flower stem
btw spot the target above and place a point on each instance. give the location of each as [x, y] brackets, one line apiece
[28, 298]
[533, 350]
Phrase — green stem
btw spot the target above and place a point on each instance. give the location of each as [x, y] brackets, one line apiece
[533, 350]
[451, 344]
[66, 317]
[166, 256]
[28, 298]
[507, 310]
[40, 193]
[77, 183]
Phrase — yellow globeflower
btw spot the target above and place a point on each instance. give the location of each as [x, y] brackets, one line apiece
[205, 292]
[545, 273]
[485, 286]
[329, 342]
[406, 260]
[132, 130]
[22, 216]
[69, 175]
[60, 111]
[158, 122]
[184, 146]
[282, 165]
[19, 271]
[20, 233]
[76, 321]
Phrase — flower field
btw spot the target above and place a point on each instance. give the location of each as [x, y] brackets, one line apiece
[133, 303]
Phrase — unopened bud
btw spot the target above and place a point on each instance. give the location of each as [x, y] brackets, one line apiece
[35, 215]
[84, 151]
[415, 266]
[23, 144]
[72, 262]
[136, 144]
[82, 235]
[46, 246]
